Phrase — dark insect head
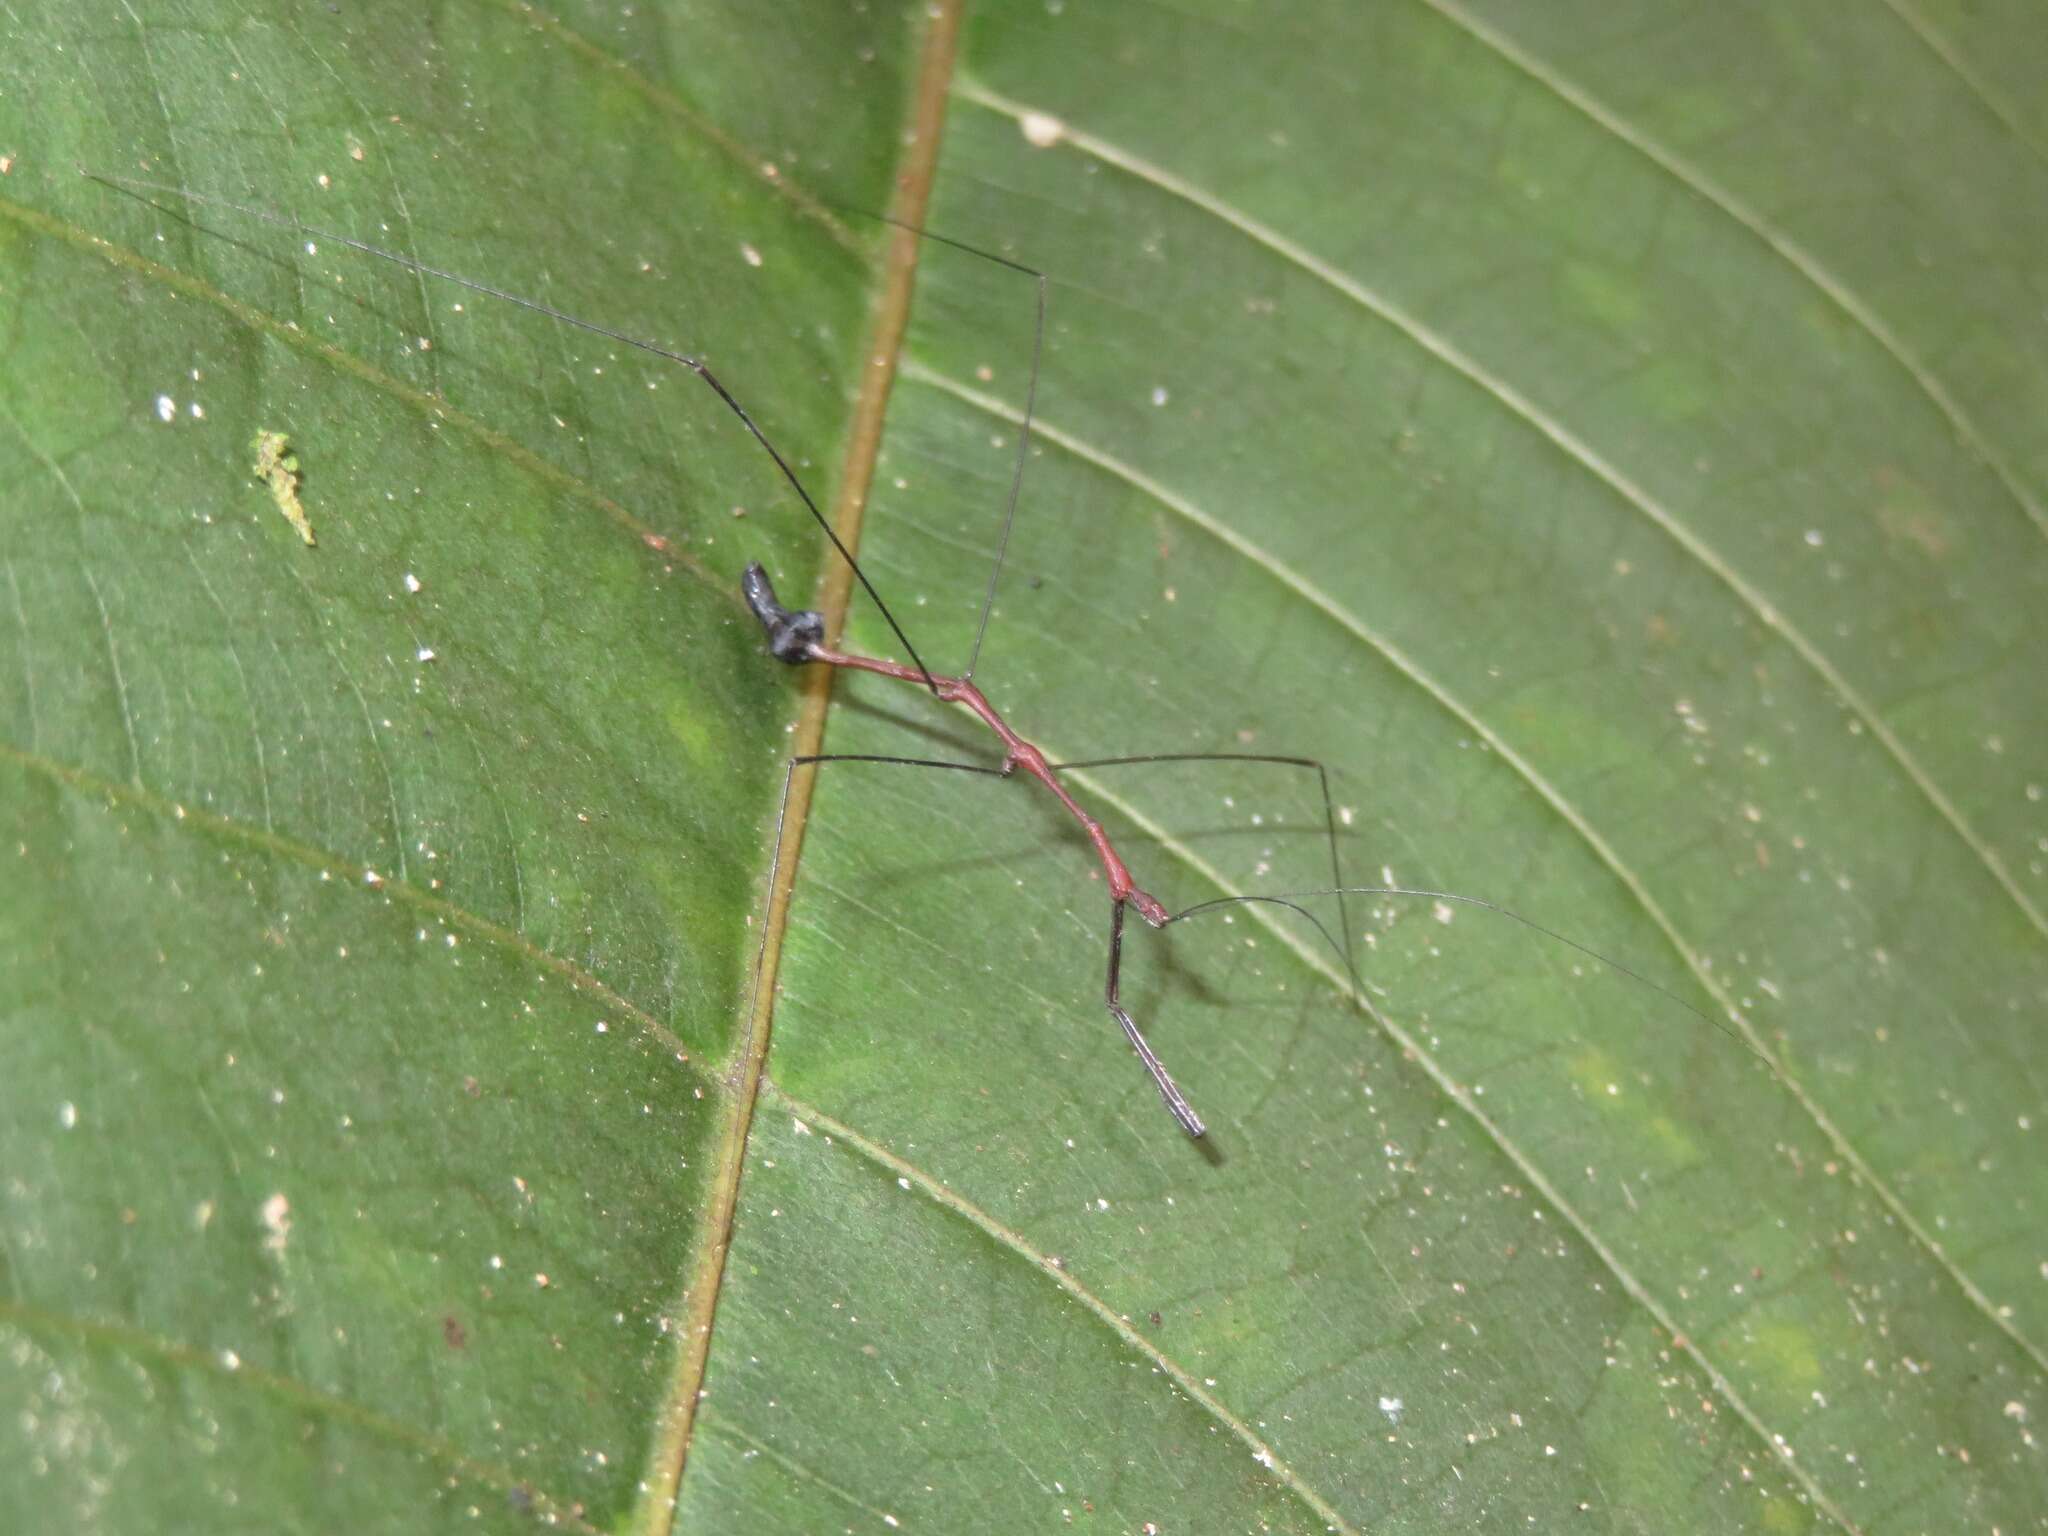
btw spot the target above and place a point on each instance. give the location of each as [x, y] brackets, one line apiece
[790, 635]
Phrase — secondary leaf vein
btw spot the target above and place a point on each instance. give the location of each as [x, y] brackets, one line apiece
[351, 873]
[1574, 448]
[1188, 1383]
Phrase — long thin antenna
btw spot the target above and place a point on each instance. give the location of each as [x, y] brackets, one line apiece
[995, 575]
[285, 221]
[988, 601]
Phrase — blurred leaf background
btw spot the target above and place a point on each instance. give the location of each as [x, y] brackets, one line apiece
[1606, 435]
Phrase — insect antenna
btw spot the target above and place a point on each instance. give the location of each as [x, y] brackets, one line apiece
[995, 575]
[139, 189]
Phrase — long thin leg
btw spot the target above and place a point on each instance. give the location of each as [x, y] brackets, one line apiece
[1290, 900]
[1337, 885]
[1176, 1101]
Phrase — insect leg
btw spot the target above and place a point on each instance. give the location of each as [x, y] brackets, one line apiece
[1337, 886]
[1176, 1102]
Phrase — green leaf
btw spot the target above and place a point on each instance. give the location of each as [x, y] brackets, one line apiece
[1603, 436]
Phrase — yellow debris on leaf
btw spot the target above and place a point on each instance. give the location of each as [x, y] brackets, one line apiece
[278, 467]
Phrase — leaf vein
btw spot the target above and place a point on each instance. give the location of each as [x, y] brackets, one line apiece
[1779, 243]
[1571, 814]
[139, 1343]
[427, 405]
[1992, 99]
[351, 875]
[1185, 1380]
[1568, 443]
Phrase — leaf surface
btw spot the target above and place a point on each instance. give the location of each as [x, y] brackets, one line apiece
[1603, 438]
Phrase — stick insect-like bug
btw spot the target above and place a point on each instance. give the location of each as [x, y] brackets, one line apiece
[799, 637]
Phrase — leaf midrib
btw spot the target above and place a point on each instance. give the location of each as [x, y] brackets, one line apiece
[669, 1451]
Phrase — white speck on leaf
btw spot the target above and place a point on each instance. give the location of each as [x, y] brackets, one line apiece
[277, 1222]
[1041, 129]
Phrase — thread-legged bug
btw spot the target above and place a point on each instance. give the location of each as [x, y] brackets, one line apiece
[798, 637]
